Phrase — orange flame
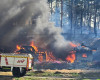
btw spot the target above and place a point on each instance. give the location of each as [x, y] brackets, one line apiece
[93, 50]
[72, 44]
[18, 47]
[40, 57]
[71, 58]
[84, 55]
[50, 57]
[33, 45]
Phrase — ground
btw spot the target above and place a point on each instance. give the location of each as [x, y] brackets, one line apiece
[55, 75]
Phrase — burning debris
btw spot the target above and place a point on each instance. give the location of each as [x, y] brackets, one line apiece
[71, 57]
[38, 54]
[24, 21]
[80, 56]
[43, 54]
[33, 45]
[84, 55]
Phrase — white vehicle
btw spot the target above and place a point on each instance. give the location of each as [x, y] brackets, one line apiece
[18, 63]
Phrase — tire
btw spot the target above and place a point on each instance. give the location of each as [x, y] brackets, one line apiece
[17, 73]
[23, 72]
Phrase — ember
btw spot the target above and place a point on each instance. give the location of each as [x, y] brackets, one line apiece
[84, 55]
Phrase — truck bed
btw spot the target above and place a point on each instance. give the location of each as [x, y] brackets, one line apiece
[13, 60]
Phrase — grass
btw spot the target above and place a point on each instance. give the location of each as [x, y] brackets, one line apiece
[44, 74]
[40, 75]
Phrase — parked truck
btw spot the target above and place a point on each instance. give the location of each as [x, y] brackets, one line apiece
[17, 63]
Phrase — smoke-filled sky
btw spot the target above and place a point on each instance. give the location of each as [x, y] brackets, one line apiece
[14, 16]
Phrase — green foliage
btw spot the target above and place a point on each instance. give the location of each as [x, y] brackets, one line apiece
[40, 75]
[75, 74]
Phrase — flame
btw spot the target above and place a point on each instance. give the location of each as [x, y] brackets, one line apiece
[18, 47]
[84, 55]
[33, 45]
[71, 58]
[83, 46]
[93, 50]
[40, 57]
[50, 57]
[73, 45]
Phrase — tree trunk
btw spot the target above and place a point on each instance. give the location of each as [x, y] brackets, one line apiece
[71, 15]
[81, 21]
[61, 13]
[51, 6]
[95, 28]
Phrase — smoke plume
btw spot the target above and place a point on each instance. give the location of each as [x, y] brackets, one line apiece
[24, 20]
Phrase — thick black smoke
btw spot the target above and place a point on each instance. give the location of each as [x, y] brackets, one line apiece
[24, 20]
[13, 17]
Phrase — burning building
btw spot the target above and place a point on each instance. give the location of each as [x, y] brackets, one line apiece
[84, 56]
[31, 49]
[24, 21]
[41, 55]
[51, 44]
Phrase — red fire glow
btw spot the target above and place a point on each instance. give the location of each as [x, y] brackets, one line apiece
[50, 57]
[40, 57]
[93, 50]
[18, 47]
[74, 45]
[33, 45]
[84, 55]
[71, 57]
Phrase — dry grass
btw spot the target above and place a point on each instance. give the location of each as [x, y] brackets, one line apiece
[73, 71]
[55, 75]
[6, 73]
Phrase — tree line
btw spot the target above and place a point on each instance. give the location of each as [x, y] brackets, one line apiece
[80, 16]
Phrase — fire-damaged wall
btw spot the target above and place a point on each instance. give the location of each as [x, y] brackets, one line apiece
[84, 60]
[84, 57]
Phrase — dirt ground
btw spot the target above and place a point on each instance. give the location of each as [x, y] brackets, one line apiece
[6, 76]
[73, 71]
[9, 76]
[5, 73]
